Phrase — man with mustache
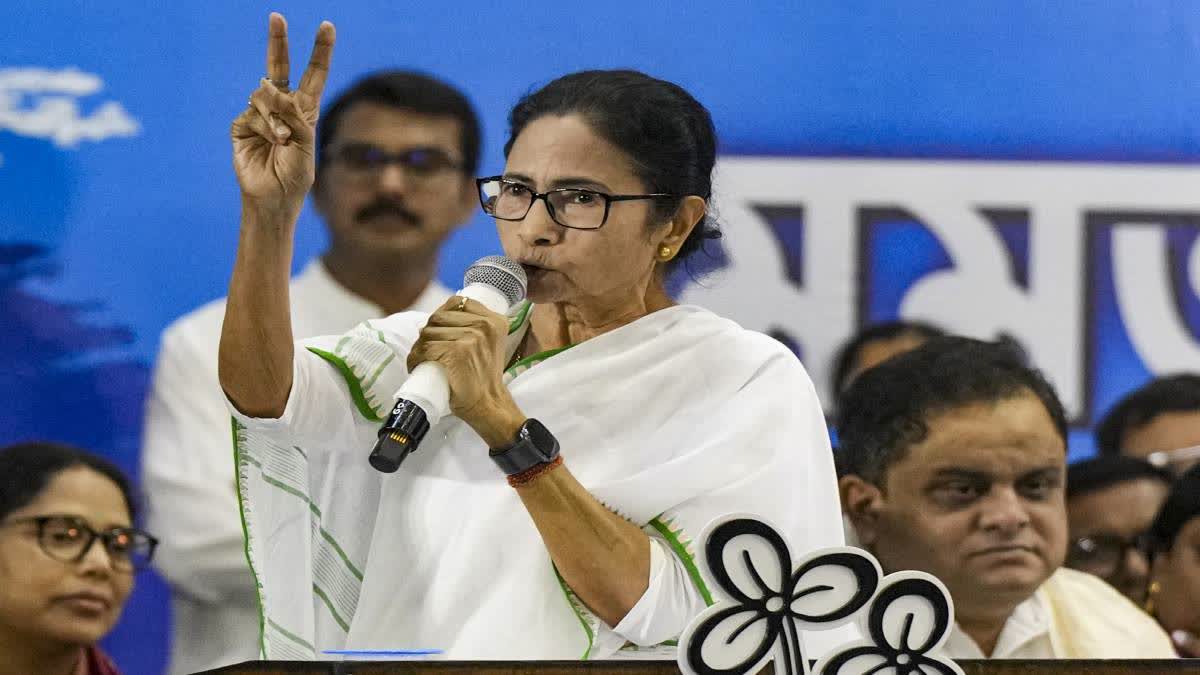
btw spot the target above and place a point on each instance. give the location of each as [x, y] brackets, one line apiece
[955, 458]
[396, 157]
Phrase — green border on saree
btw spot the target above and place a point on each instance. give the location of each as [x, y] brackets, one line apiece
[681, 551]
[357, 393]
[258, 588]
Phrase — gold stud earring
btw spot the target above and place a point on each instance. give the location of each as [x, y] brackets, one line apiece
[1154, 590]
[664, 252]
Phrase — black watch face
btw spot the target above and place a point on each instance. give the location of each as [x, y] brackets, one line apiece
[541, 438]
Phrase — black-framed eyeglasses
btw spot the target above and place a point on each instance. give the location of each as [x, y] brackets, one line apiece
[1104, 554]
[69, 538]
[576, 208]
[369, 160]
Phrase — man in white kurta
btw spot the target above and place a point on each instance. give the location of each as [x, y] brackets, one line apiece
[187, 471]
[955, 458]
[386, 224]
[1073, 615]
[670, 421]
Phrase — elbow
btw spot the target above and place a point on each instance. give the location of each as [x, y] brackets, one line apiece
[254, 395]
[616, 611]
[626, 593]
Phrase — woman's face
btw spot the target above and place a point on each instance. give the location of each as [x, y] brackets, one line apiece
[71, 602]
[1178, 575]
[596, 270]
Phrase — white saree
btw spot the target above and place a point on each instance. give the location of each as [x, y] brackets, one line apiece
[670, 421]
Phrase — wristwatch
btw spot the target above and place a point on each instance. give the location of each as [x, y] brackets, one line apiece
[534, 445]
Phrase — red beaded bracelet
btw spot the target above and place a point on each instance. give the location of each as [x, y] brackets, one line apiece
[519, 479]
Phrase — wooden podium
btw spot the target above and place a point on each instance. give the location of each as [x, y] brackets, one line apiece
[996, 667]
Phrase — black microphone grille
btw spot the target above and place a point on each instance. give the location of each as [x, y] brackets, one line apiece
[500, 273]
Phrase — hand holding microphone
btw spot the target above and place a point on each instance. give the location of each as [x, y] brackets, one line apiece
[461, 349]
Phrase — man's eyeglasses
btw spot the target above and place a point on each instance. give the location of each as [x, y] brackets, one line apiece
[365, 159]
[575, 208]
[1104, 554]
[69, 538]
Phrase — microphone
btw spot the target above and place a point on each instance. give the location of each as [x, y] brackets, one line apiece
[424, 398]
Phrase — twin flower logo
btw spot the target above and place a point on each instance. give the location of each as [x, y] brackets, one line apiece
[43, 103]
[765, 602]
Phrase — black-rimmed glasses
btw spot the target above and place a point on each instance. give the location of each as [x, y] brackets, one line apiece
[576, 208]
[69, 538]
[1104, 554]
[364, 159]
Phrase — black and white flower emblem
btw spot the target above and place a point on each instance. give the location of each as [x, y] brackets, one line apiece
[908, 622]
[767, 603]
[769, 600]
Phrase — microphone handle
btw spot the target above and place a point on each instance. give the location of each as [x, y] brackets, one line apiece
[426, 386]
[424, 398]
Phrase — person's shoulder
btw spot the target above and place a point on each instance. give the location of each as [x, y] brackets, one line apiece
[735, 340]
[1080, 584]
[1093, 602]
[1067, 582]
[743, 354]
[198, 330]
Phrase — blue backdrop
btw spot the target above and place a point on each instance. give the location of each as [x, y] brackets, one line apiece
[118, 207]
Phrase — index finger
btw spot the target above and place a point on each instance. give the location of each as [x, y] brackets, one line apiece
[313, 82]
[277, 48]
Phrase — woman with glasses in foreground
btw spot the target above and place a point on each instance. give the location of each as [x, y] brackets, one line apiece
[68, 552]
[594, 434]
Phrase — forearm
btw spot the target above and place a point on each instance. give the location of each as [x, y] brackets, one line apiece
[255, 358]
[604, 558]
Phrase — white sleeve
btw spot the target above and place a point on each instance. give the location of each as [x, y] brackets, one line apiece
[671, 600]
[188, 476]
[319, 408]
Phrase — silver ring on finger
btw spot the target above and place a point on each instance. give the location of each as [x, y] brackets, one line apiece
[283, 85]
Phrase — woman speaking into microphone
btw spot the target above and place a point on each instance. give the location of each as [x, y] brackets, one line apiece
[594, 430]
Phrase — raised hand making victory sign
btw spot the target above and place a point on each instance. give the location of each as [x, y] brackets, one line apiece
[274, 138]
[388, 162]
[274, 156]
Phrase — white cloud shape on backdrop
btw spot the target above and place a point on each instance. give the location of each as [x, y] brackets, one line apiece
[44, 103]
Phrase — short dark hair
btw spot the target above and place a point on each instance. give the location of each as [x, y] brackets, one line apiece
[887, 409]
[410, 91]
[665, 132]
[849, 352]
[1105, 471]
[1175, 393]
[1182, 505]
[27, 468]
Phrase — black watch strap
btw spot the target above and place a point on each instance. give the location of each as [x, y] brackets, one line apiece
[534, 445]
